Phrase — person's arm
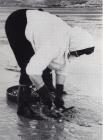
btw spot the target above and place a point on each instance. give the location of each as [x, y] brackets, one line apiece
[37, 81]
[38, 63]
[35, 68]
[60, 79]
[61, 75]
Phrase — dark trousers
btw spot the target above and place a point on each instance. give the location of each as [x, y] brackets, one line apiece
[23, 51]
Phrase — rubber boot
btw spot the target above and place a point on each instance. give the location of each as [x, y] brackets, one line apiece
[24, 103]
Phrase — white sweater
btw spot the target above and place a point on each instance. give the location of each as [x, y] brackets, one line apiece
[49, 36]
[52, 39]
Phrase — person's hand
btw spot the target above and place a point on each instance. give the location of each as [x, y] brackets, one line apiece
[59, 103]
[45, 96]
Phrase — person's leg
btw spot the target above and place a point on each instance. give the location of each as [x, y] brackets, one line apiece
[15, 30]
[23, 51]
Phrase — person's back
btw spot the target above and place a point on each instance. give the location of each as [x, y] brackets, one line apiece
[47, 29]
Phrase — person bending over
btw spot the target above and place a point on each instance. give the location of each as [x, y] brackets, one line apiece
[43, 42]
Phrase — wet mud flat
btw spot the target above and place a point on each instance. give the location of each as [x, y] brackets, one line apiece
[83, 84]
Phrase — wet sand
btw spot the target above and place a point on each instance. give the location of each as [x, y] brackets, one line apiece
[83, 84]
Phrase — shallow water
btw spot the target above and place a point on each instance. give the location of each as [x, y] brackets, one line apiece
[86, 124]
